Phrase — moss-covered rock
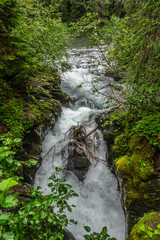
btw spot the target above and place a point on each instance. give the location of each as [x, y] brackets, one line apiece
[137, 167]
[138, 181]
[123, 166]
[41, 111]
[137, 143]
[142, 167]
[148, 228]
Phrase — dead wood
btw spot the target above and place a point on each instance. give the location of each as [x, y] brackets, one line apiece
[80, 138]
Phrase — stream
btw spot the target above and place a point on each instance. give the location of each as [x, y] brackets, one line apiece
[99, 203]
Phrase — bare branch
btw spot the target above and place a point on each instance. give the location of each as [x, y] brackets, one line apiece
[153, 101]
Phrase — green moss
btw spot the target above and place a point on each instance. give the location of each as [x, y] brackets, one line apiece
[33, 113]
[142, 167]
[123, 165]
[139, 167]
[141, 144]
[133, 194]
[47, 105]
[148, 228]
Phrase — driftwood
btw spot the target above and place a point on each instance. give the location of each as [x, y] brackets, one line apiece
[80, 138]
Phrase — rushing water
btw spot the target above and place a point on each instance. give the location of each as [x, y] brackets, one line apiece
[98, 203]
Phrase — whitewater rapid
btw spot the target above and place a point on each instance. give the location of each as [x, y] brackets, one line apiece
[99, 203]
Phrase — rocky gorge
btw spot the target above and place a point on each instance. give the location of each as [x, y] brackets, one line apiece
[139, 191]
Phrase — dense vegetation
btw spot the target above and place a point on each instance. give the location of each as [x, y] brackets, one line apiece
[28, 61]
[33, 36]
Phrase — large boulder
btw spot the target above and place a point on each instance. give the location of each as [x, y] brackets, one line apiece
[68, 235]
[78, 163]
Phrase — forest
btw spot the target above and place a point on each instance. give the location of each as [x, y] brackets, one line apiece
[35, 36]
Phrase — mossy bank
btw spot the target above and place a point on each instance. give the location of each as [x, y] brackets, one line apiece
[136, 162]
[25, 119]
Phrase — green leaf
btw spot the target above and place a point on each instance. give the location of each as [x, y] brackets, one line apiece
[87, 237]
[50, 219]
[6, 184]
[61, 210]
[104, 230]
[4, 155]
[37, 203]
[28, 164]
[73, 221]
[50, 185]
[88, 229]
[4, 217]
[57, 169]
[10, 201]
[32, 161]
[75, 195]
[43, 215]
[65, 190]
[8, 236]
[69, 208]
[57, 186]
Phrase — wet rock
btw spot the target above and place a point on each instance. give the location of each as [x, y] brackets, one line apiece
[57, 94]
[108, 134]
[68, 235]
[49, 110]
[78, 163]
[61, 96]
[32, 150]
[114, 74]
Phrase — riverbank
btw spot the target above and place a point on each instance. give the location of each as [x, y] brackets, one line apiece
[24, 121]
[136, 164]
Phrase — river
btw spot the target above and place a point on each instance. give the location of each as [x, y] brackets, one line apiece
[99, 201]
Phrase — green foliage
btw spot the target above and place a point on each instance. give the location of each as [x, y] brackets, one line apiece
[31, 38]
[135, 45]
[9, 166]
[6, 198]
[121, 145]
[87, 25]
[149, 127]
[43, 217]
[45, 37]
[6, 184]
[72, 10]
[103, 235]
[11, 113]
[14, 62]
[9, 15]
[69, 10]
[148, 228]
[149, 232]
[37, 219]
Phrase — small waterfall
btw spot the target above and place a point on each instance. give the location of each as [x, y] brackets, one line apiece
[98, 203]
